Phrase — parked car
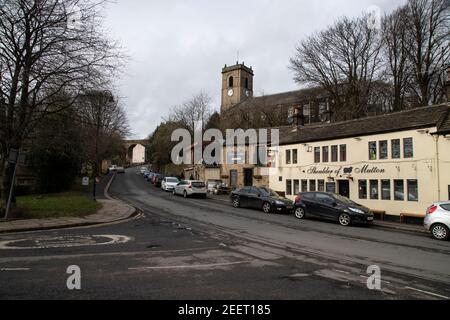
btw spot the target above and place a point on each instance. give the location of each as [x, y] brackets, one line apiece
[169, 183]
[188, 188]
[261, 198]
[330, 206]
[437, 220]
[210, 184]
[149, 176]
[157, 180]
[146, 173]
[117, 169]
[144, 170]
[221, 188]
[120, 169]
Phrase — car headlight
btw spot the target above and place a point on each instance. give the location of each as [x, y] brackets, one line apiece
[356, 210]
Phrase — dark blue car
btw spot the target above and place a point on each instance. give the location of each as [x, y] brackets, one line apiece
[330, 206]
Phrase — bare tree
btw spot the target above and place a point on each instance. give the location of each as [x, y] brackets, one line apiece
[429, 54]
[344, 59]
[396, 48]
[193, 113]
[104, 126]
[48, 49]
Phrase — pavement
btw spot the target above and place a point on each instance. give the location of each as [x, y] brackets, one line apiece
[112, 211]
[376, 224]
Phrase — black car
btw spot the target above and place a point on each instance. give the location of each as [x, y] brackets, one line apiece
[261, 198]
[330, 206]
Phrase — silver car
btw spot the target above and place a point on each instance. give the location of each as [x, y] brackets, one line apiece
[188, 188]
[169, 183]
[437, 220]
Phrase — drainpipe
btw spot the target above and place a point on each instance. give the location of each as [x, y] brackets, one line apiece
[436, 140]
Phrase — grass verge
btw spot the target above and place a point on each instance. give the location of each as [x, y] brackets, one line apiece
[73, 204]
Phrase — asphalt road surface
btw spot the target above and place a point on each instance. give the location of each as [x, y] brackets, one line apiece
[205, 249]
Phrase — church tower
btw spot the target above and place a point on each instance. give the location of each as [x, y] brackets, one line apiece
[237, 85]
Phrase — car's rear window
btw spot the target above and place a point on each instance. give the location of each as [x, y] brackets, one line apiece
[172, 180]
[445, 207]
[198, 184]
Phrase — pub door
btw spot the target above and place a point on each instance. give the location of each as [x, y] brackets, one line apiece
[344, 188]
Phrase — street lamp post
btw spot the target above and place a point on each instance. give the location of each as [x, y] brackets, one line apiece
[16, 157]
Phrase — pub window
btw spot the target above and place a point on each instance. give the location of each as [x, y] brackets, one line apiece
[288, 187]
[295, 156]
[331, 187]
[317, 154]
[334, 153]
[321, 185]
[325, 154]
[312, 185]
[413, 191]
[408, 151]
[395, 146]
[374, 193]
[296, 186]
[399, 190]
[343, 152]
[304, 185]
[288, 156]
[383, 149]
[386, 189]
[372, 150]
[362, 189]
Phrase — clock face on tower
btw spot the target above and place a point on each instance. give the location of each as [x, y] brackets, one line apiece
[230, 92]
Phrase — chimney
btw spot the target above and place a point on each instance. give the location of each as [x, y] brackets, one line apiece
[299, 119]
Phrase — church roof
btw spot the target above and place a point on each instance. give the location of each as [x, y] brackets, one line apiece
[278, 99]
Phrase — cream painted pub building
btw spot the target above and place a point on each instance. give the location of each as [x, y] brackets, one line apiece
[397, 163]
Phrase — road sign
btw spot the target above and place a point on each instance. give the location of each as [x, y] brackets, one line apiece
[85, 181]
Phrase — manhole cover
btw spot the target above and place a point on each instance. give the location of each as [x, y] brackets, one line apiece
[62, 242]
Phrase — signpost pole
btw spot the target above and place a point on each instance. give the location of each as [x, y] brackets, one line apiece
[11, 190]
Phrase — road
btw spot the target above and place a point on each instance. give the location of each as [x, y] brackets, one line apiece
[205, 249]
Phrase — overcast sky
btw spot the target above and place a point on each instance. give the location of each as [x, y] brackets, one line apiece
[177, 48]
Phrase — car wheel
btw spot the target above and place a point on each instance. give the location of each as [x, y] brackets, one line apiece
[185, 194]
[236, 203]
[345, 220]
[299, 213]
[267, 208]
[440, 232]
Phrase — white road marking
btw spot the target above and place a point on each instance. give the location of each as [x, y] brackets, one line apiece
[429, 293]
[340, 271]
[191, 266]
[61, 242]
[15, 269]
